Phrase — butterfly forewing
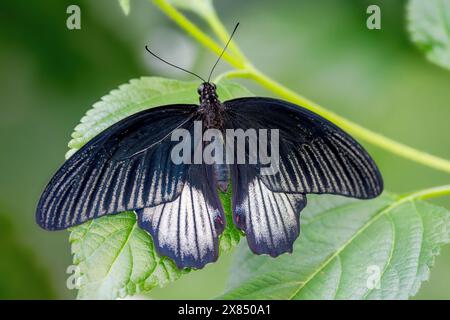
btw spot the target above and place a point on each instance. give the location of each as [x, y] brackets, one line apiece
[126, 167]
[314, 156]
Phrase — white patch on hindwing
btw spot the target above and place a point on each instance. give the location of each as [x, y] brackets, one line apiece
[185, 225]
[270, 216]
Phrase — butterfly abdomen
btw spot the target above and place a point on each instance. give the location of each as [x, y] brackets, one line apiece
[222, 176]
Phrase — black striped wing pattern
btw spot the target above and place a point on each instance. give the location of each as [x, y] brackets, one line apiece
[315, 156]
[128, 167]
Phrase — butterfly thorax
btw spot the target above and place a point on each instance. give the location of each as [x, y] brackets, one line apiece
[210, 106]
[212, 116]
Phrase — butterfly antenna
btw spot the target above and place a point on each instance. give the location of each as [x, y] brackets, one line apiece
[223, 51]
[172, 65]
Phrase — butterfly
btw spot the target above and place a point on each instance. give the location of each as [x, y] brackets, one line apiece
[130, 167]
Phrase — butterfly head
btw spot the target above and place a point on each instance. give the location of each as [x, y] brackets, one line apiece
[208, 94]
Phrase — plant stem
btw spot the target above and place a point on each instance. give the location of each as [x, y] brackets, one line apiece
[246, 70]
[429, 193]
[195, 32]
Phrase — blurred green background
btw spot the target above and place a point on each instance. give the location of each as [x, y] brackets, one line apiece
[322, 49]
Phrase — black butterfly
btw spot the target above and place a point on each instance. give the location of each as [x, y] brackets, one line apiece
[129, 167]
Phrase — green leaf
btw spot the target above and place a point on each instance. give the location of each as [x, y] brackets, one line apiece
[125, 5]
[429, 27]
[344, 246]
[203, 8]
[117, 258]
[21, 275]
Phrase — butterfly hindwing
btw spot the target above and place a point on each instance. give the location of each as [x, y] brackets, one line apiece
[126, 167]
[269, 219]
[315, 156]
[188, 228]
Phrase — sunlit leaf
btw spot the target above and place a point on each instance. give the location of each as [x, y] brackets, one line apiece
[348, 249]
[429, 26]
[125, 5]
[202, 7]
